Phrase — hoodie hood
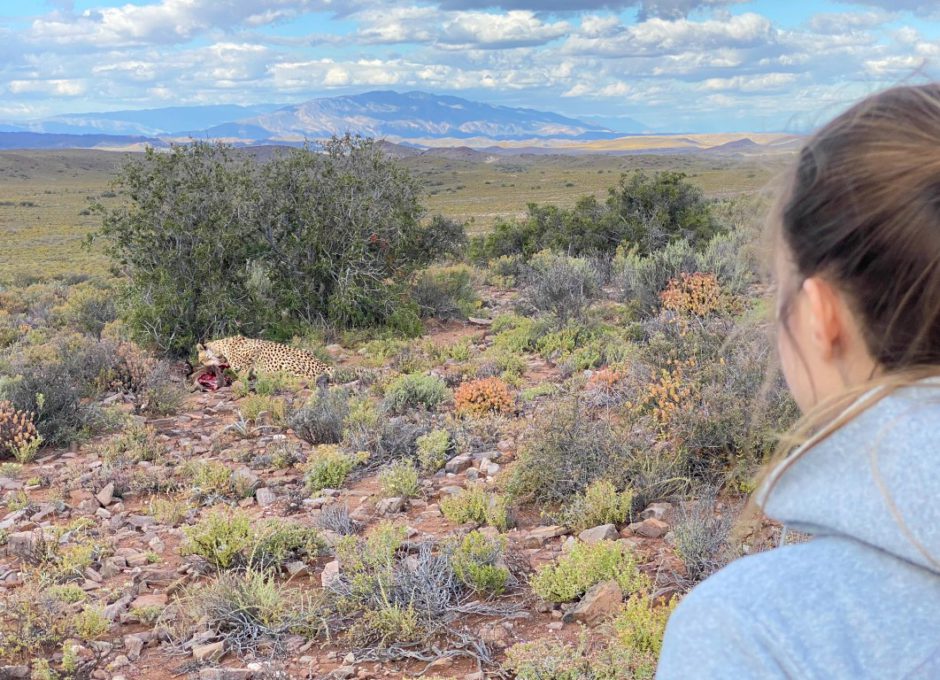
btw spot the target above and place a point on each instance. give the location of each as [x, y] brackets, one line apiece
[875, 480]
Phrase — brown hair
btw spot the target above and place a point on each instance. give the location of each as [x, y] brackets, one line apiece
[862, 210]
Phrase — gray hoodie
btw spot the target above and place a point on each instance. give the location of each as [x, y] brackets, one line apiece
[861, 599]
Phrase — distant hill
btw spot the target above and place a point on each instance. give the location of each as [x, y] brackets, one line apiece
[148, 122]
[35, 140]
[410, 115]
[406, 122]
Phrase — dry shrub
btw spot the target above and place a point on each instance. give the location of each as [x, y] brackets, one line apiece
[696, 294]
[17, 430]
[482, 397]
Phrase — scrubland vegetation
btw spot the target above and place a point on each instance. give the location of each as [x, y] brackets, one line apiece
[537, 437]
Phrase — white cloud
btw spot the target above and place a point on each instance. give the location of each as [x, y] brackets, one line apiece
[757, 83]
[661, 36]
[457, 30]
[838, 23]
[615, 89]
[164, 22]
[57, 87]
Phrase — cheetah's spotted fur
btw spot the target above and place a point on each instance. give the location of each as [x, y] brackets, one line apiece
[262, 356]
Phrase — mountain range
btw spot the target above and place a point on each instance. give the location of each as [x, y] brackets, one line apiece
[419, 118]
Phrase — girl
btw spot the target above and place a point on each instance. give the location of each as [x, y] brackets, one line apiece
[858, 314]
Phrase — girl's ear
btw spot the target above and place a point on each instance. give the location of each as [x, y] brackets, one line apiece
[828, 316]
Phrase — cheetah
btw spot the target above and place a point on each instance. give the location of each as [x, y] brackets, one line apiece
[263, 356]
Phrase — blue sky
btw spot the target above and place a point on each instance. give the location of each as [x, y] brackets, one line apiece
[678, 65]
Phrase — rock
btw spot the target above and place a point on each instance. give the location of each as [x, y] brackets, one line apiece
[601, 601]
[458, 464]
[390, 506]
[244, 478]
[538, 536]
[605, 532]
[77, 496]
[112, 566]
[140, 521]
[120, 661]
[106, 495]
[210, 652]
[297, 568]
[12, 518]
[343, 673]
[555, 625]
[156, 600]
[133, 645]
[495, 635]
[9, 484]
[140, 559]
[265, 497]
[650, 528]
[114, 610]
[23, 543]
[330, 573]
[665, 512]
[226, 674]
[89, 507]
[14, 672]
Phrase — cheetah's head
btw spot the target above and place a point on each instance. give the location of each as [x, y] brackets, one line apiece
[209, 358]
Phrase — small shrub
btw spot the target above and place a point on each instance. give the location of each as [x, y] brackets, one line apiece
[169, 511]
[90, 623]
[599, 504]
[70, 593]
[57, 383]
[564, 451]
[277, 543]
[13, 470]
[434, 449]
[160, 394]
[476, 560]
[641, 625]
[400, 479]
[445, 292]
[415, 390]
[481, 397]
[328, 466]
[248, 609]
[265, 384]
[321, 420]
[475, 504]
[547, 659]
[544, 389]
[702, 538]
[223, 538]
[584, 566]
[560, 285]
[209, 480]
[88, 309]
[336, 518]
[696, 294]
[137, 443]
[17, 432]
[643, 278]
[255, 406]
[388, 440]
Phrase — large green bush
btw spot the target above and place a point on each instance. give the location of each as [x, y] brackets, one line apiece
[644, 212]
[212, 241]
